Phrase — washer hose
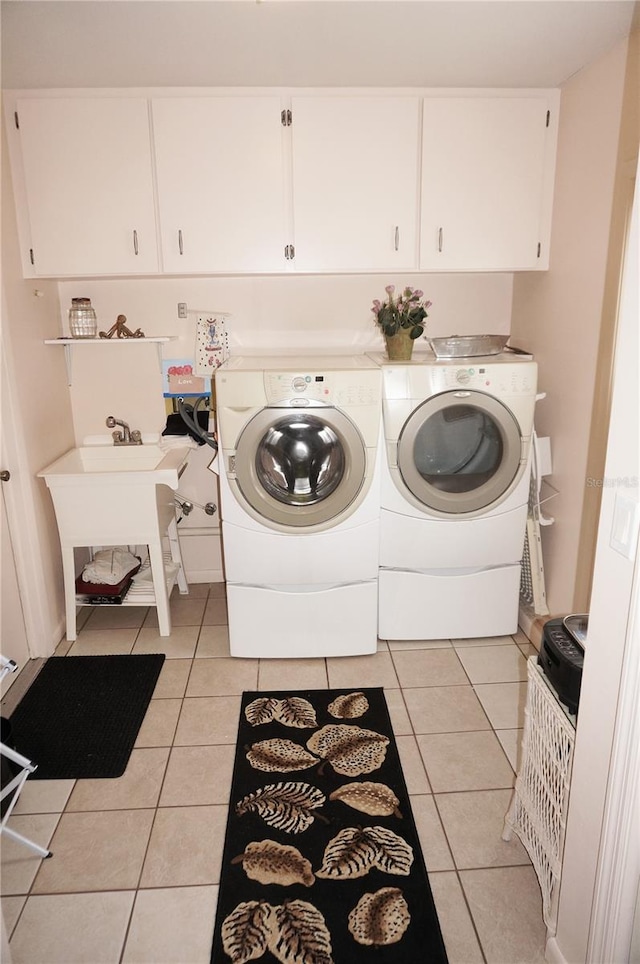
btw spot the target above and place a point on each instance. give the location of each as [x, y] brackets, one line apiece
[191, 419]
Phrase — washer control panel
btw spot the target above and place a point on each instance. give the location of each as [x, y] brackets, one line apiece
[282, 385]
[334, 388]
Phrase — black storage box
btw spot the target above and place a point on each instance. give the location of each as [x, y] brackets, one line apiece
[561, 659]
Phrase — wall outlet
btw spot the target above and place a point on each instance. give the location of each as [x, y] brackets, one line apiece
[182, 309]
[625, 526]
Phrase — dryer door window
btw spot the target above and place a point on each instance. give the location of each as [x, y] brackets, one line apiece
[300, 467]
[460, 452]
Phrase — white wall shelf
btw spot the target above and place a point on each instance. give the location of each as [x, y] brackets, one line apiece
[70, 343]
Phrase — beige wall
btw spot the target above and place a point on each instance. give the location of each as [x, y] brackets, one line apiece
[620, 216]
[327, 313]
[558, 315]
[595, 913]
[39, 429]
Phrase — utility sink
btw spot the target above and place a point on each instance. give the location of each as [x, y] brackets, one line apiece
[110, 495]
[148, 463]
[113, 495]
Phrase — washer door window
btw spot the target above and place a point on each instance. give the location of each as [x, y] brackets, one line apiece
[300, 467]
[459, 451]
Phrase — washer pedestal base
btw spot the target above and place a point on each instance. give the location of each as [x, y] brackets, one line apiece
[295, 622]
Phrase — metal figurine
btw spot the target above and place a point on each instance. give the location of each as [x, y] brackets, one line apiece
[120, 330]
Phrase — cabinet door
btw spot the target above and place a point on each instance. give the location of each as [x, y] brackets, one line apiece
[487, 179]
[220, 170]
[355, 183]
[89, 187]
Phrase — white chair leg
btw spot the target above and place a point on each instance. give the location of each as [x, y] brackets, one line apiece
[14, 835]
[13, 789]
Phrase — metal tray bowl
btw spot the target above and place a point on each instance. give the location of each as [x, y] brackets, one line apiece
[577, 625]
[468, 346]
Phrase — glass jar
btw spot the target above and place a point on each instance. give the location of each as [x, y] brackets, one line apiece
[82, 319]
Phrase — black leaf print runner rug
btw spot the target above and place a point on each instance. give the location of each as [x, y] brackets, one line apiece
[321, 862]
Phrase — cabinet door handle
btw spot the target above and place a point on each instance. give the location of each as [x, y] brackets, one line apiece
[440, 240]
[396, 239]
[180, 247]
[135, 241]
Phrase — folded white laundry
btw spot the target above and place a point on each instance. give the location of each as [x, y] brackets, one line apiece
[168, 442]
[110, 566]
[143, 579]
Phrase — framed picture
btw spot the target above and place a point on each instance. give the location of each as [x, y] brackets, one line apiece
[179, 379]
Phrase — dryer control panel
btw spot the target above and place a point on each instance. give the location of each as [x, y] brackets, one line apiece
[498, 380]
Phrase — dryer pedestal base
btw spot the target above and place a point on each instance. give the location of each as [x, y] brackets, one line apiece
[294, 623]
[451, 605]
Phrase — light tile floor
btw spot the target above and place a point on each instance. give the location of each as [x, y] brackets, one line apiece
[135, 871]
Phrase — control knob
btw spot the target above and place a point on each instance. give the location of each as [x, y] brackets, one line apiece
[463, 376]
[299, 384]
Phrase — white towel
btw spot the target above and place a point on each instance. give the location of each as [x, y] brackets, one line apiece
[143, 579]
[168, 442]
[109, 566]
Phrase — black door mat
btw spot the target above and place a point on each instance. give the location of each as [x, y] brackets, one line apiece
[322, 862]
[80, 717]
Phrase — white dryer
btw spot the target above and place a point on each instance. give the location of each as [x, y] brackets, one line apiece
[454, 494]
[299, 489]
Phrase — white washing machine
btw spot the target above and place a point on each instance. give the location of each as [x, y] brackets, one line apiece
[299, 489]
[454, 494]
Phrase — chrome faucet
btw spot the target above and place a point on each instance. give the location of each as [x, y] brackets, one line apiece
[126, 436]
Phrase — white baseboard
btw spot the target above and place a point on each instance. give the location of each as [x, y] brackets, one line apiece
[59, 634]
[526, 619]
[531, 625]
[204, 575]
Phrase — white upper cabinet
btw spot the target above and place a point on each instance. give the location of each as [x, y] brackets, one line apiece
[487, 181]
[86, 165]
[220, 170]
[198, 182]
[355, 182]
